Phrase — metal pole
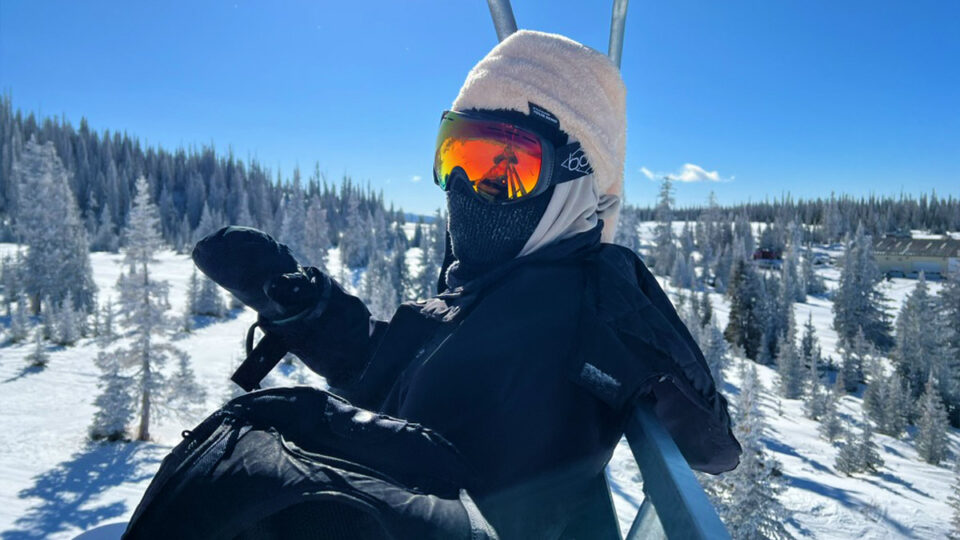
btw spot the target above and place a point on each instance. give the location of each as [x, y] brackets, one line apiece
[503, 19]
[617, 24]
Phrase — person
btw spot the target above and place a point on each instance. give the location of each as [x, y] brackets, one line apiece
[544, 335]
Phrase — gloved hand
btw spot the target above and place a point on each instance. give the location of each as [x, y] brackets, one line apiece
[259, 271]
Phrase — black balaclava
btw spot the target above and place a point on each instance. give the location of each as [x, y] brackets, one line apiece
[483, 235]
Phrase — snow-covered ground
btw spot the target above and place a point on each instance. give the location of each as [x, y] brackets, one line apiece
[54, 484]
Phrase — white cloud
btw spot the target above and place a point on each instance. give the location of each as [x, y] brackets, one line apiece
[688, 173]
[416, 178]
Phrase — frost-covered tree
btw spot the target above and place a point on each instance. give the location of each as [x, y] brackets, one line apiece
[57, 261]
[919, 345]
[431, 258]
[628, 229]
[747, 313]
[859, 454]
[378, 290]
[748, 495]
[107, 328]
[67, 322]
[858, 303]
[105, 238]
[294, 219]
[185, 394]
[809, 344]
[143, 309]
[931, 438]
[790, 277]
[316, 236]
[706, 309]
[831, 424]
[816, 395]
[664, 250]
[683, 274]
[20, 320]
[854, 355]
[114, 404]
[715, 351]
[209, 301]
[38, 357]
[356, 236]
[790, 363]
[813, 284]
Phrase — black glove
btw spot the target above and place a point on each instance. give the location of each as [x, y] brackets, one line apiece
[243, 261]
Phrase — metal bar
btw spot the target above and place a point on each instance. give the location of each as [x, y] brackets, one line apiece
[680, 505]
[617, 24]
[503, 19]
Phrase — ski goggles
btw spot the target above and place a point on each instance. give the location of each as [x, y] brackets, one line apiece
[504, 163]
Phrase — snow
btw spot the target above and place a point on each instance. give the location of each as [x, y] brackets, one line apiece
[54, 484]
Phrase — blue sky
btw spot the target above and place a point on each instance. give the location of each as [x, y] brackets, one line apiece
[748, 99]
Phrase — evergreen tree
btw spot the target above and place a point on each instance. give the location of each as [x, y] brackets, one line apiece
[107, 330]
[143, 308]
[858, 303]
[831, 425]
[48, 222]
[859, 454]
[815, 402]
[747, 313]
[813, 284]
[38, 358]
[209, 302]
[918, 346]
[316, 239]
[706, 309]
[186, 396]
[20, 320]
[355, 240]
[854, 354]
[665, 250]
[716, 352]
[794, 288]
[379, 294]
[114, 404]
[748, 495]
[789, 363]
[809, 344]
[931, 439]
[67, 323]
[294, 220]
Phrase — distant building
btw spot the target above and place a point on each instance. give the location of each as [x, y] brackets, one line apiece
[905, 256]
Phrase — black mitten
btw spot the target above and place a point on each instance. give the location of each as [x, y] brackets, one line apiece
[243, 260]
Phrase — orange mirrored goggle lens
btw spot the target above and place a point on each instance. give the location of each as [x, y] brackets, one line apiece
[501, 161]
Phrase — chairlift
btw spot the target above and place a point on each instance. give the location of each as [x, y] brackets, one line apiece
[674, 505]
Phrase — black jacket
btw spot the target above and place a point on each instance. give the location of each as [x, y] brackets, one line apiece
[530, 372]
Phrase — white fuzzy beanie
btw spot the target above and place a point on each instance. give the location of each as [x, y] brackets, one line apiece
[584, 90]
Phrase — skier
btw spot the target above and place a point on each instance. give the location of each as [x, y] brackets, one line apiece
[544, 335]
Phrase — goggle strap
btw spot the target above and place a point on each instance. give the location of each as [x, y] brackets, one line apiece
[570, 163]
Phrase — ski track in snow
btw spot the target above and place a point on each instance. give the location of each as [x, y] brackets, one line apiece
[55, 484]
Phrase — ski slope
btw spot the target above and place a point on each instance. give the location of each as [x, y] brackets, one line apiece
[54, 484]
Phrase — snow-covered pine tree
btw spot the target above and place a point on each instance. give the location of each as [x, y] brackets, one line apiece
[918, 345]
[67, 323]
[186, 396]
[857, 302]
[948, 325]
[114, 404]
[809, 344]
[378, 291]
[143, 308]
[706, 309]
[209, 223]
[48, 222]
[790, 363]
[38, 357]
[715, 351]
[628, 234]
[664, 250]
[316, 236]
[209, 301]
[190, 307]
[790, 277]
[107, 331]
[20, 320]
[747, 314]
[294, 219]
[748, 495]
[105, 238]
[48, 319]
[683, 275]
[10, 282]
[859, 453]
[931, 438]
[355, 239]
[831, 424]
[853, 356]
[816, 396]
[813, 283]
